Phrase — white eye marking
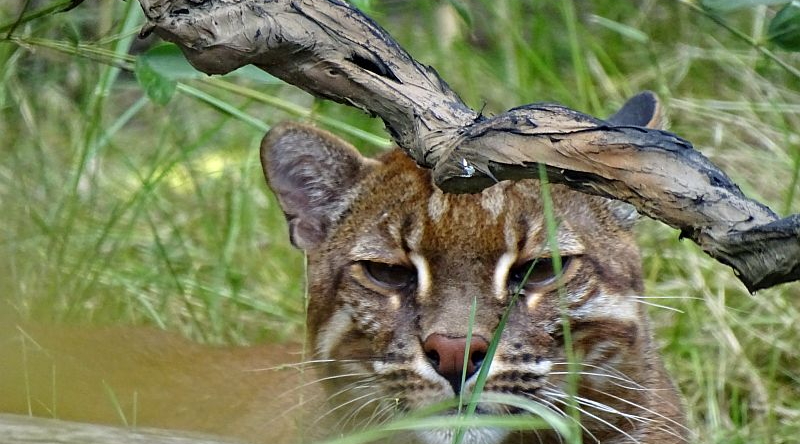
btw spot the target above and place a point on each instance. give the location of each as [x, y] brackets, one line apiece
[394, 301]
[501, 274]
[334, 330]
[532, 300]
[423, 275]
[414, 236]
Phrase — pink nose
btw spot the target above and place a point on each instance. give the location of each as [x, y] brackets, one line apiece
[446, 355]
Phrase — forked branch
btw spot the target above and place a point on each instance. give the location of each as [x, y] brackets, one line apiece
[332, 50]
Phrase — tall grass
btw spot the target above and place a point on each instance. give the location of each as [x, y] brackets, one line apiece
[118, 210]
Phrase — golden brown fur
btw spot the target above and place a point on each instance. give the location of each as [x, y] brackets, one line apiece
[457, 247]
[395, 267]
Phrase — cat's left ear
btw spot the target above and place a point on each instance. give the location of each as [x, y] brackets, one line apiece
[313, 174]
[643, 109]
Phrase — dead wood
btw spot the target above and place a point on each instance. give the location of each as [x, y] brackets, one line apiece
[18, 429]
[332, 50]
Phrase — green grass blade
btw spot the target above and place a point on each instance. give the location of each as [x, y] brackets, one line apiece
[224, 107]
[551, 226]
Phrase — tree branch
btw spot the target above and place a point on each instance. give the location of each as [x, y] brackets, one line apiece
[656, 171]
[18, 429]
[327, 48]
[331, 50]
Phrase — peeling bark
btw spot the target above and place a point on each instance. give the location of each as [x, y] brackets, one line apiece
[332, 50]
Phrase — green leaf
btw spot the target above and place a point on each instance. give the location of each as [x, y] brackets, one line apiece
[364, 6]
[158, 87]
[732, 5]
[784, 28]
[168, 60]
[224, 107]
[463, 11]
[621, 29]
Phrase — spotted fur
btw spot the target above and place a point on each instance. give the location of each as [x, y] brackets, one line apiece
[345, 211]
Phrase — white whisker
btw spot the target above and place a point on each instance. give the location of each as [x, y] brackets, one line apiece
[350, 417]
[612, 378]
[653, 304]
[561, 398]
[652, 412]
[610, 371]
[344, 404]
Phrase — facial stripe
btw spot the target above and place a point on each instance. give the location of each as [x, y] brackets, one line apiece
[334, 330]
[510, 234]
[372, 249]
[568, 243]
[616, 307]
[540, 367]
[423, 275]
[413, 236]
[501, 269]
[493, 200]
[533, 238]
[437, 205]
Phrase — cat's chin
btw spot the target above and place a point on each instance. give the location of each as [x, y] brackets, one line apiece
[483, 435]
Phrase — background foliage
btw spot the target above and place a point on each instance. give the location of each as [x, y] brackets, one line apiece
[138, 198]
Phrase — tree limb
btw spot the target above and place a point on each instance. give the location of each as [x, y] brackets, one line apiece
[332, 50]
[328, 49]
[18, 429]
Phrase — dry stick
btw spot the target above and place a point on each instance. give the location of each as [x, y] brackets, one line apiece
[332, 50]
[19, 429]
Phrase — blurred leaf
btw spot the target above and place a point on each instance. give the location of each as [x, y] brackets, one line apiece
[463, 11]
[168, 60]
[621, 29]
[224, 107]
[732, 5]
[784, 29]
[364, 6]
[61, 6]
[158, 87]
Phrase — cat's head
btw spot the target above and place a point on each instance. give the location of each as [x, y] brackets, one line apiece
[408, 286]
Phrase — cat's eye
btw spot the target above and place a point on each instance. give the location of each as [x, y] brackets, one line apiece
[539, 272]
[394, 277]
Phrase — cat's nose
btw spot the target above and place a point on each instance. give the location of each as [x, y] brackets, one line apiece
[446, 355]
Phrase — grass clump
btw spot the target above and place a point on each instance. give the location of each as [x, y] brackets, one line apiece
[119, 210]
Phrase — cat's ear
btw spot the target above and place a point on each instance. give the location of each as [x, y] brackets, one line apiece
[312, 173]
[643, 109]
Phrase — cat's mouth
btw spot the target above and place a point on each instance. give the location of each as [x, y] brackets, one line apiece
[489, 404]
[479, 411]
[483, 435]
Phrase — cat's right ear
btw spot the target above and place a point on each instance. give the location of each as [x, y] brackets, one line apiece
[643, 109]
[312, 173]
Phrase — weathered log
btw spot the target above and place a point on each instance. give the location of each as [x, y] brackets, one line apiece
[18, 429]
[327, 48]
[332, 50]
